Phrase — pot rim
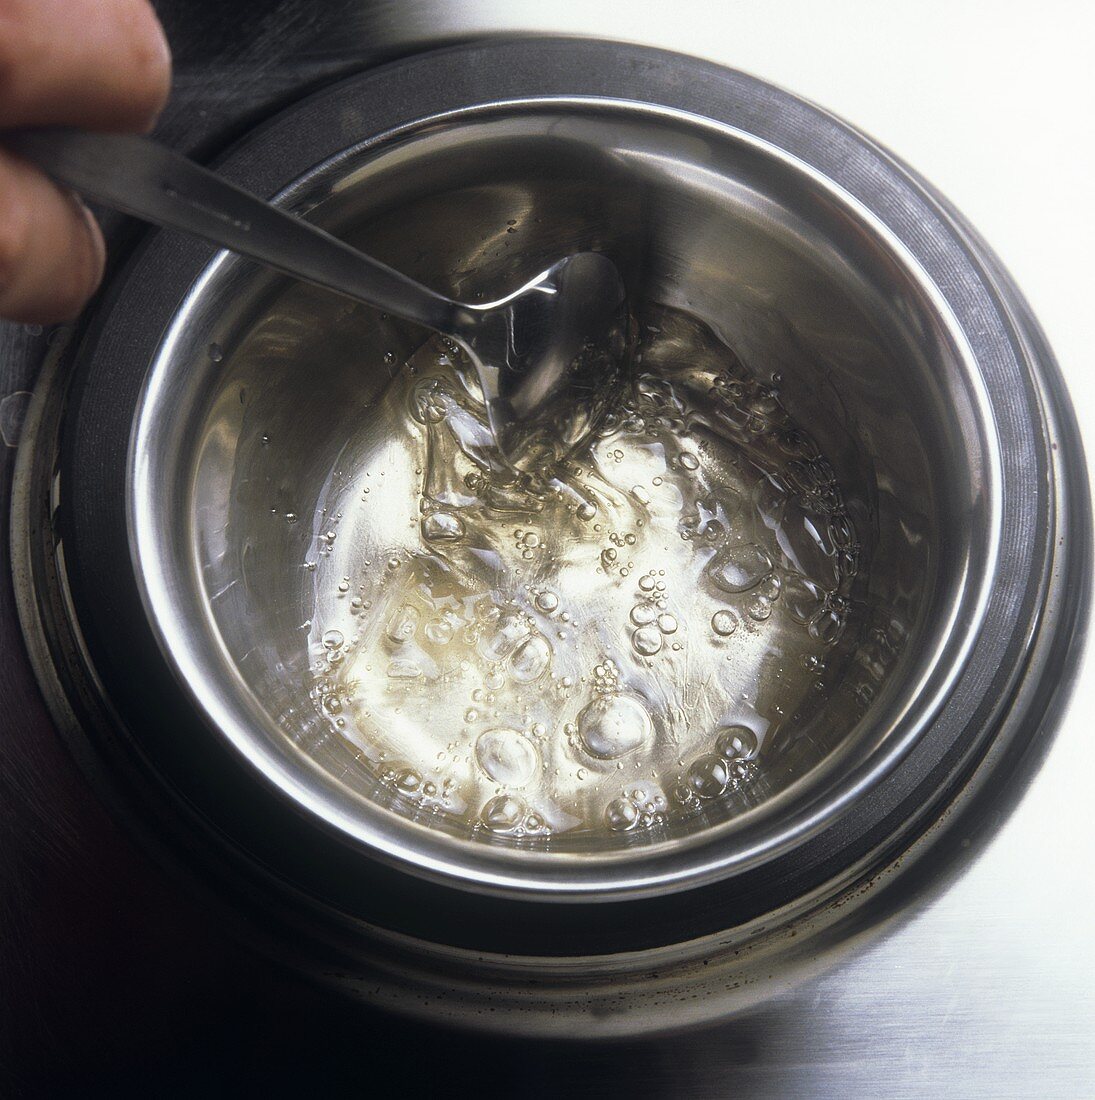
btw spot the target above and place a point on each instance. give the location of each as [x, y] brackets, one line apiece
[714, 853]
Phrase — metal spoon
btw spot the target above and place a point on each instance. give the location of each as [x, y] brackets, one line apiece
[549, 356]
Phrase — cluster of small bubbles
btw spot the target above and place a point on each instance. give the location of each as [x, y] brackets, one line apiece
[683, 794]
[528, 542]
[466, 631]
[606, 676]
[429, 402]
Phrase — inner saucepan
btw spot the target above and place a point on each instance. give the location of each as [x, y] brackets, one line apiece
[687, 647]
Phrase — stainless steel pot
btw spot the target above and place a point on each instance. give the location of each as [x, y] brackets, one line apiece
[812, 253]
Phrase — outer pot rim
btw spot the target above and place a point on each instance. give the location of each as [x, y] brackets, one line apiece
[717, 852]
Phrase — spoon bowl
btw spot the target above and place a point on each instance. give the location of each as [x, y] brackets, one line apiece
[549, 357]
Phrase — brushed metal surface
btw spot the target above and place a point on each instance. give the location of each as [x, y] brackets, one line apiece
[987, 990]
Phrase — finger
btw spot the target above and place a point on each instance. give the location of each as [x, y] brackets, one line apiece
[99, 64]
[51, 250]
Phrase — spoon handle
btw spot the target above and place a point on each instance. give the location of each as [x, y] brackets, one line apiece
[150, 181]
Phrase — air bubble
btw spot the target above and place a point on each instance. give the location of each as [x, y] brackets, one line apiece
[408, 781]
[647, 640]
[724, 623]
[547, 602]
[708, 776]
[642, 614]
[827, 628]
[739, 568]
[612, 726]
[507, 757]
[736, 742]
[621, 815]
[503, 813]
[400, 669]
[531, 660]
[759, 609]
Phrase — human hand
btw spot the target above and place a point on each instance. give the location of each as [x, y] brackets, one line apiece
[97, 64]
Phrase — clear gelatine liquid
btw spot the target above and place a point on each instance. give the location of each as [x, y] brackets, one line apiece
[601, 650]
